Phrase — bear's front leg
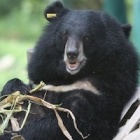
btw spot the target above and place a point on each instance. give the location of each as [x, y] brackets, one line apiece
[15, 85]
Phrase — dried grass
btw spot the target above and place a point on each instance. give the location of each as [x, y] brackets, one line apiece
[14, 102]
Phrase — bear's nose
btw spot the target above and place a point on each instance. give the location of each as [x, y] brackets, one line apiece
[72, 55]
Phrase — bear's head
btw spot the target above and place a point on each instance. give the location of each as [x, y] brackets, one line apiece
[77, 42]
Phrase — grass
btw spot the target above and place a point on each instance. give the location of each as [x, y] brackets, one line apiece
[17, 50]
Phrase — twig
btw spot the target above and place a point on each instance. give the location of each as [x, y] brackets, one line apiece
[37, 87]
[62, 127]
[5, 123]
[27, 113]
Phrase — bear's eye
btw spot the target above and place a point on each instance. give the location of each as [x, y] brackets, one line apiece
[86, 38]
[64, 35]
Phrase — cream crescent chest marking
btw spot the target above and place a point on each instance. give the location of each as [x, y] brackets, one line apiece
[85, 85]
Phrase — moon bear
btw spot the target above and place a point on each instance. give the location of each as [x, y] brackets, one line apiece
[90, 67]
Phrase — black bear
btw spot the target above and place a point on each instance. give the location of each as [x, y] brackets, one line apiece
[91, 68]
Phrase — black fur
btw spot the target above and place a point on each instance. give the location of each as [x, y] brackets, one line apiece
[111, 66]
[15, 85]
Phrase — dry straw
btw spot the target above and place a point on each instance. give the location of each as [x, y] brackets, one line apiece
[14, 102]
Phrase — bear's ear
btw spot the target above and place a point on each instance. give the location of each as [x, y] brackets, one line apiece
[126, 29]
[53, 10]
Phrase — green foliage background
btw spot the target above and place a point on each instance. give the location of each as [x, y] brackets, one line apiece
[21, 23]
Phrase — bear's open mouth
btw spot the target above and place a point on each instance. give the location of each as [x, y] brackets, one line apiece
[74, 67]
